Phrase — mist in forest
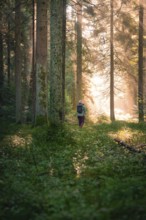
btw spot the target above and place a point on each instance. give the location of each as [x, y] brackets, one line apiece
[97, 98]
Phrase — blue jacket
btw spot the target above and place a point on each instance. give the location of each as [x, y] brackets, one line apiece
[83, 111]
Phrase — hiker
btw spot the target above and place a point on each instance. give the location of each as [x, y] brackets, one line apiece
[81, 110]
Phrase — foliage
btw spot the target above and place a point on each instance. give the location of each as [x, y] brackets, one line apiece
[7, 109]
[103, 118]
[64, 172]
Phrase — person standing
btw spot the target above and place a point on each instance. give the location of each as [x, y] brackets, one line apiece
[81, 111]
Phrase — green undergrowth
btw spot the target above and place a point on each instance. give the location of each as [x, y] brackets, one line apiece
[67, 173]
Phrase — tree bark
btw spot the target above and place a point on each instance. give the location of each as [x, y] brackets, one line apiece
[112, 114]
[129, 147]
[18, 60]
[57, 60]
[8, 52]
[63, 57]
[1, 60]
[140, 64]
[1, 51]
[79, 48]
[33, 72]
[41, 108]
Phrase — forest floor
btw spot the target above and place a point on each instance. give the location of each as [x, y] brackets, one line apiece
[67, 173]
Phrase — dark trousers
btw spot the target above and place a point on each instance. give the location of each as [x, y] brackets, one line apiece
[81, 120]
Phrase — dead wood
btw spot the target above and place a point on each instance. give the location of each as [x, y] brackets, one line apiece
[141, 145]
[127, 146]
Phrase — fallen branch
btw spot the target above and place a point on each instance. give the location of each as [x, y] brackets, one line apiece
[141, 145]
[44, 173]
[129, 147]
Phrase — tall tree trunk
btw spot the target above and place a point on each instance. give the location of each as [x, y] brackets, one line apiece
[33, 73]
[8, 52]
[1, 51]
[112, 114]
[41, 61]
[140, 64]
[63, 57]
[144, 60]
[9, 46]
[73, 58]
[26, 76]
[1, 60]
[18, 60]
[57, 60]
[1, 68]
[79, 49]
[74, 86]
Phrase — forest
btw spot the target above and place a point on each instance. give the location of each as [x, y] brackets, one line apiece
[55, 54]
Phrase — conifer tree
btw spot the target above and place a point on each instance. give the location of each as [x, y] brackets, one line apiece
[112, 115]
[140, 64]
[57, 60]
[18, 60]
[41, 61]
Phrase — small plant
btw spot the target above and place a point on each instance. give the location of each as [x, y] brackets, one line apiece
[63, 172]
[103, 118]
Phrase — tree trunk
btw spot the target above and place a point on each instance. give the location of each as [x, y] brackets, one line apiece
[57, 60]
[8, 52]
[63, 57]
[18, 60]
[1, 60]
[1, 68]
[26, 76]
[8, 42]
[73, 58]
[79, 49]
[1, 52]
[41, 61]
[33, 72]
[112, 114]
[140, 64]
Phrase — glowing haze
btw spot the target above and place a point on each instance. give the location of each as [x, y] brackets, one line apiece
[96, 84]
[96, 98]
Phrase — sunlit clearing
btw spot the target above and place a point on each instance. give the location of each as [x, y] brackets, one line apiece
[126, 134]
[97, 98]
[17, 141]
[79, 163]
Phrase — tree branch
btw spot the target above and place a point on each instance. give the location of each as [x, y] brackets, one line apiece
[129, 147]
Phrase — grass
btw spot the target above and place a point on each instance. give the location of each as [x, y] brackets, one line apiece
[67, 173]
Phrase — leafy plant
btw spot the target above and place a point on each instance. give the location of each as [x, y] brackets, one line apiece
[65, 172]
